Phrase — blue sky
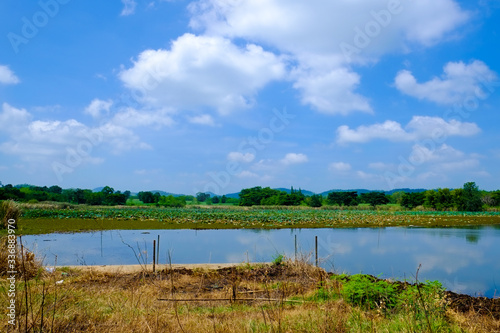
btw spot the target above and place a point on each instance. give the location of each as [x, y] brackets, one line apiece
[220, 95]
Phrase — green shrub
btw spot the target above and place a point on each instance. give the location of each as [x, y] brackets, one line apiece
[278, 259]
[367, 291]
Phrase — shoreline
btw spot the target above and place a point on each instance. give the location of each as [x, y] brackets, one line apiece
[149, 267]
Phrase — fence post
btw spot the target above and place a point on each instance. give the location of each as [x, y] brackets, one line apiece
[154, 255]
[158, 251]
[316, 249]
[295, 247]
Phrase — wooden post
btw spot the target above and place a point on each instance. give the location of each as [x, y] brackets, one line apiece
[154, 255]
[158, 251]
[295, 247]
[316, 249]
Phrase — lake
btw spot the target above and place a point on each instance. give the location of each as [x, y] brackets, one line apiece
[465, 260]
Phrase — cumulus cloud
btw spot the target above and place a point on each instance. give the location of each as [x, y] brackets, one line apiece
[332, 92]
[458, 82]
[98, 107]
[204, 119]
[420, 127]
[240, 157]
[43, 142]
[15, 118]
[131, 117]
[297, 28]
[7, 76]
[339, 166]
[201, 71]
[294, 158]
[128, 7]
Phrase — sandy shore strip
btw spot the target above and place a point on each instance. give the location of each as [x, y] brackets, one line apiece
[149, 268]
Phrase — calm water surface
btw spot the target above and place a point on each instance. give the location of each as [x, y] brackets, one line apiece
[465, 260]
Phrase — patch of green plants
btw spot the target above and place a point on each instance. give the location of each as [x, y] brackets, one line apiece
[421, 304]
[367, 291]
[278, 259]
[370, 292]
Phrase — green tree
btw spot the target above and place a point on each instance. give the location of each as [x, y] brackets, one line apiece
[146, 197]
[444, 199]
[107, 190]
[374, 198]
[472, 197]
[315, 200]
[342, 198]
[202, 197]
[258, 195]
[171, 201]
[431, 199]
[495, 195]
[55, 189]
[412, 200]
[396, 197]
[458, 198]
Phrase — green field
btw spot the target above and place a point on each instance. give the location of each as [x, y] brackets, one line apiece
[40, 219]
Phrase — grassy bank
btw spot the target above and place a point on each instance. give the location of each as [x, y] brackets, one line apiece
[285, 297]
[42, 218]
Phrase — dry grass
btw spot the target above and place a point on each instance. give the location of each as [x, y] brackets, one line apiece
[246, 298]
[9, 210]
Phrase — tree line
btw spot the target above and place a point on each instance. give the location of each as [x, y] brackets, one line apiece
[467, 198]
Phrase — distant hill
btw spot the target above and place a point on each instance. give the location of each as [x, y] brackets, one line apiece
[164, 193]
[287, 190]
[359, 190]
[233, 195]
[409, 190]
[99, 189]
[236, 195]
[325, 193]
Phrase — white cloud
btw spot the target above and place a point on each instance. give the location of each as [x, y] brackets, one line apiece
[7, 76]
[128, 7]
[458, 82]
[98, 107]
[240, 157]
[297, 29]
[12, 119]
[422, 154]
[294, 158]
[204, 119]
[43, 142]
[420, 127]
[201, 71]
[380, 166]
[332, 92]
[131, 117]
[339, 166]
[247, 174]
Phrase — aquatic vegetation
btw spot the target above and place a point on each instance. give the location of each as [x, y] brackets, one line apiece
[83, 218]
